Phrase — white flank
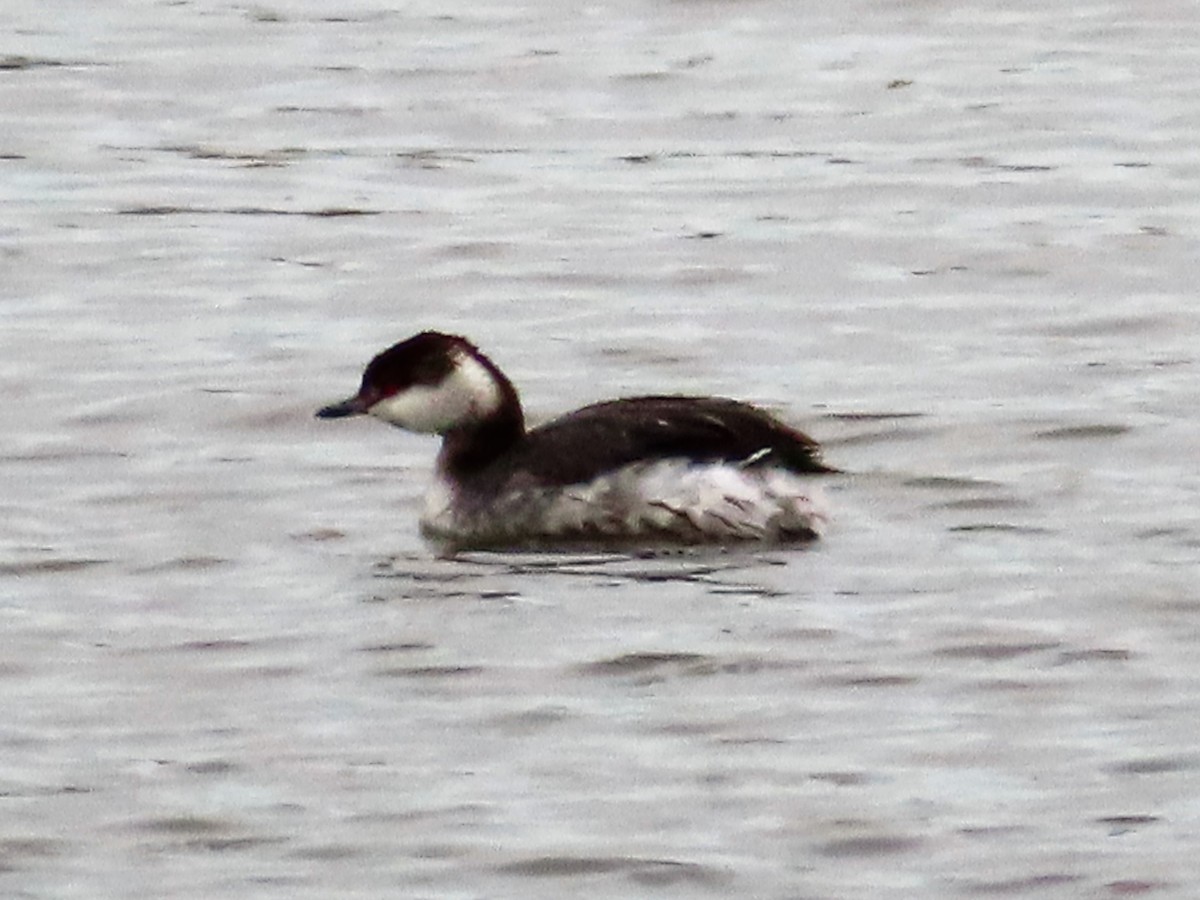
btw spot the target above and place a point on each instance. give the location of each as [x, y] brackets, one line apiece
[468, 394]
[670, 500]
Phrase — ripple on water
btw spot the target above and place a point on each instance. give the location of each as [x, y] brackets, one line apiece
[1021, 887]
[1083, 432]
[1094, 654]
[186, 564]
[981, 504]
[530, 721]
[430, 671]
[204, 834]
[994, 650]
[871, 681]
[950, 483]
[654, 665]
[640, 663]
[843, 779]
[647, 871]
[53, 566]
[1156, 765]
[1000, 528]
[474, 575]
[1126, 823]
[15, 852]
[871, 845]
[397, 647]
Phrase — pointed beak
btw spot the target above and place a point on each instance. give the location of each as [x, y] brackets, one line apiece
[351, 406]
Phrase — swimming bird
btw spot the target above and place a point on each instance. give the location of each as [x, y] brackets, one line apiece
[640, 471]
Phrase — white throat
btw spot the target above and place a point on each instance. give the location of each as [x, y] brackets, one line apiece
[469, 394]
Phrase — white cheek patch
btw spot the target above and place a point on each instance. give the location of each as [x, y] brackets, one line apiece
[468, 394]
[422, 409]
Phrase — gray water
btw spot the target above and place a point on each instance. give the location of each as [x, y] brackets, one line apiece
[957, 244]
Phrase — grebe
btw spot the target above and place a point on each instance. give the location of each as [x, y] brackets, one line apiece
[640, 470]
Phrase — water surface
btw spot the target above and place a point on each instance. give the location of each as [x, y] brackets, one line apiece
[956, 244]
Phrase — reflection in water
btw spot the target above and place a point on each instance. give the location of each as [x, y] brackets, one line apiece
[717, 570]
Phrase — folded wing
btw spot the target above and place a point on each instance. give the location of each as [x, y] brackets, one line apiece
[606, 436]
